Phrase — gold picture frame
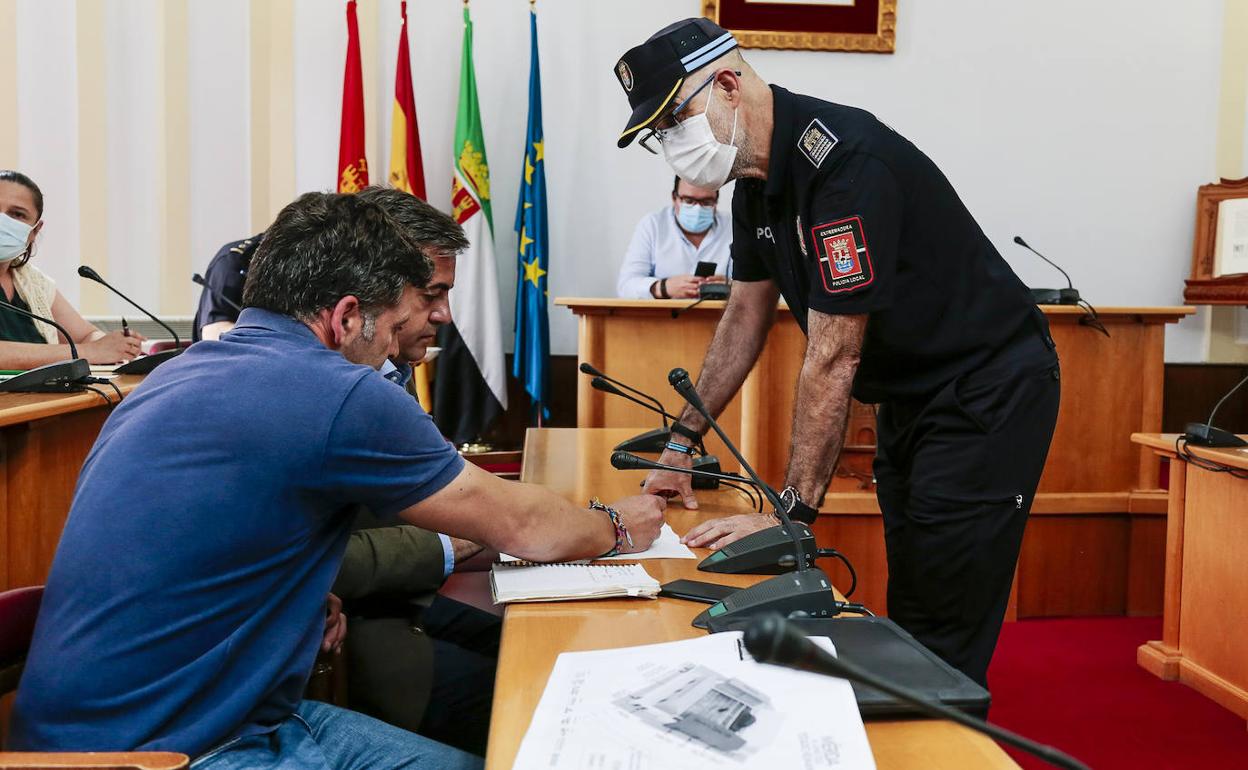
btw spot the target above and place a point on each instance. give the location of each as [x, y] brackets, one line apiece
[882, 40]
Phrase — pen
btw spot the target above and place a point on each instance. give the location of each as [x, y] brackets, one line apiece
[125, 327]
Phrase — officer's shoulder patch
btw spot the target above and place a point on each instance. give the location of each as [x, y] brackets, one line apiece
[844, 261]
[816, 142]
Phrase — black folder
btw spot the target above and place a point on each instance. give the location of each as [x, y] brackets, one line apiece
[882, 647]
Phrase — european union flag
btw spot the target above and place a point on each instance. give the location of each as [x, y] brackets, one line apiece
[532, 350]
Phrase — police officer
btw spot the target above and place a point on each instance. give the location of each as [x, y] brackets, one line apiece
[905, 303]
[219, 301]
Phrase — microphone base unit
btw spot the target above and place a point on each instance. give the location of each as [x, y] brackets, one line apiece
[713, 291]
[61, 377]
[145, 364]
[708, 464]
[650, 441]
[1201, 434]
[1055, 296]
[766, 552]
[806, 594]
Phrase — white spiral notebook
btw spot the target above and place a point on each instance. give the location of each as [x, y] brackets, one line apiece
[522, 582]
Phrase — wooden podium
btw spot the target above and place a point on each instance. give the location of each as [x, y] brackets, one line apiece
[1095, 540]
[1206, 595]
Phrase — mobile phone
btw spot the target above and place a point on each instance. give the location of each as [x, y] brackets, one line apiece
[705, 269]
[696, 591]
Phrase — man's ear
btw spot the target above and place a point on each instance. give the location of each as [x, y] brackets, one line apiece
[730, 81]
[345, 320]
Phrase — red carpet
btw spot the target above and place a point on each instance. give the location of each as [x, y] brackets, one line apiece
[1074, 683]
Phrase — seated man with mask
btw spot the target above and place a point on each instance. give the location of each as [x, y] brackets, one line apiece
[669, 243]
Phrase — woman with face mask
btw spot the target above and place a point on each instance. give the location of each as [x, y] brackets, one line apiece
[25, 342]
[662, 259]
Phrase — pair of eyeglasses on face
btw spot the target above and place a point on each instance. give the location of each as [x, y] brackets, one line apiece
[652, 138]
[691, 201]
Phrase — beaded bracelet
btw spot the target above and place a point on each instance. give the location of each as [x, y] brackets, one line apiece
[621, 531]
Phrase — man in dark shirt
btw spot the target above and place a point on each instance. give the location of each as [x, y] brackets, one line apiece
[227, 480]
[220, 300]
[905, 303]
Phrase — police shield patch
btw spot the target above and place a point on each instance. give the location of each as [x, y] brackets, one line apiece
[816, 142]
[841, 248]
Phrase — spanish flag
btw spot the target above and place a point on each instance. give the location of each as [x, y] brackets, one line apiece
[407, 173]
[352, 166]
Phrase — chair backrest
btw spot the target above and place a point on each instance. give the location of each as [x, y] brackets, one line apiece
[19, 607]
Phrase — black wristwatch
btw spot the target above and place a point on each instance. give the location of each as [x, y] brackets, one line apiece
[797, 510]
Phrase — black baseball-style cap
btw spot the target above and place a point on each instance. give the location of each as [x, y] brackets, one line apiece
[653, 72]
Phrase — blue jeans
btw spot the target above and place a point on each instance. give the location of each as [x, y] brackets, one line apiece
[323, 737]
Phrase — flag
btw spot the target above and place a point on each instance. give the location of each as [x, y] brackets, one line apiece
[407, 173]
[352, 166]
[470, 391]
[531, 363]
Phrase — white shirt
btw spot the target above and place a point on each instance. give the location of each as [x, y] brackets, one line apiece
[660, 249]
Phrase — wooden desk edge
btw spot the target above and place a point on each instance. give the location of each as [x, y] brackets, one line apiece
[1163, 443]
[1167, 313]
[37, 406]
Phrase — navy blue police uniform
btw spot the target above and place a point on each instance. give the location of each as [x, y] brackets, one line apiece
[226, 274]
[854, 219]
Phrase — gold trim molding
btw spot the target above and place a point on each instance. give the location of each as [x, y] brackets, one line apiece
[884, 41]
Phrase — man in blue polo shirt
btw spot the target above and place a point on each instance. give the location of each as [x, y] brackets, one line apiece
[186, 601]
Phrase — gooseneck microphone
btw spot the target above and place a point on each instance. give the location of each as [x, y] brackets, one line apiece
[1205, 434]
[199, 279]
[59, 377]
[1067, 296]
[774, 640]
[806, 592]
[601, 383]
[147, 363]
[589, 369]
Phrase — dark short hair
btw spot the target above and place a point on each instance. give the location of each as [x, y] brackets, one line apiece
[17, 177]
[434, 232]
[326, 246]
[676, 188]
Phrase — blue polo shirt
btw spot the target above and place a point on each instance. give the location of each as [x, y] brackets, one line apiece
[186, 602]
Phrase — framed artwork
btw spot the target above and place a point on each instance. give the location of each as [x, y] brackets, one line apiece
[1220, 250]
[868, 26]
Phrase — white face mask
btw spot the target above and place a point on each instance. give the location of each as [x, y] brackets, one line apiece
[14, 234]
[697, 157]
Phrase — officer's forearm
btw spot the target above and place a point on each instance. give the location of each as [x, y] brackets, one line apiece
[739, 338]
[822, 408]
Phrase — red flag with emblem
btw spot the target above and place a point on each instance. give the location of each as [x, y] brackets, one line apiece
[352, 166]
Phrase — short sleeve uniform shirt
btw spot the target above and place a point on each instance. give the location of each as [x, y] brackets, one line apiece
[854, 219]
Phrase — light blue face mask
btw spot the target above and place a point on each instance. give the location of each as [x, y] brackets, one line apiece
[13, 236]
[695, 219]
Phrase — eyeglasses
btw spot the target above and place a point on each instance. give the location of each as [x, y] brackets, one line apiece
[652, 139]
[690, 201]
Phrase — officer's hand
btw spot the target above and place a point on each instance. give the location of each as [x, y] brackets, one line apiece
[335, 626]
[684, 286]
[717, 533]
[642, 515]
[112, 348]
[670, 484]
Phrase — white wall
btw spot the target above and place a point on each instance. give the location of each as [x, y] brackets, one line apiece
[1086, 127]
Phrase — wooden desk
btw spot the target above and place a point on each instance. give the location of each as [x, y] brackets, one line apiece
[574, 463]
[1206, 594]
[1094, 545]
[44, 439]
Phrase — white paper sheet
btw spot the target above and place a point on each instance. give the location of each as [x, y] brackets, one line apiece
[701, 703]
[666, 546]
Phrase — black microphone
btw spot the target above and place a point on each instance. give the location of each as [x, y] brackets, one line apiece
[147, 363]
[594, 372]
[807, 591]
[603, 384]
[1205, 434]
[199, 279]
[766, 552]
[772, 639]
[59, 377]
[1067, 296]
